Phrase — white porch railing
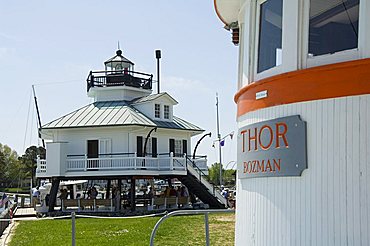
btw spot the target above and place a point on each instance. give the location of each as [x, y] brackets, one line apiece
[118, 163]
[41, 165]
[125, 163]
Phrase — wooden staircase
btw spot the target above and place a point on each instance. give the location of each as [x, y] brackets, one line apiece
[197, 184]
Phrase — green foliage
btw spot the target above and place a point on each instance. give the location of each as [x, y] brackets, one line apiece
[29, 161]
[228, 178]
[14, 169]
[9, 166]
[179, 230]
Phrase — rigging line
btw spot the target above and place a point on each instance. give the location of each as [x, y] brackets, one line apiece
[353, 26]
[32, 124]
[20, 106]
[28, 116]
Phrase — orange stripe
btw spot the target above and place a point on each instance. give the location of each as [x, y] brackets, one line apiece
[329, 81]
[218, 13]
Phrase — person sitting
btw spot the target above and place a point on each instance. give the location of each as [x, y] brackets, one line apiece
[173, 192]
[94, 193]
[63, 196]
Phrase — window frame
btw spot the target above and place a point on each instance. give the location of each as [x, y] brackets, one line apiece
[166, 114]
[273, 70]
[336, 57]
[178, 146]
[158, 116]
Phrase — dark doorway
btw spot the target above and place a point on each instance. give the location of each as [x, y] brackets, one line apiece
[92, 152]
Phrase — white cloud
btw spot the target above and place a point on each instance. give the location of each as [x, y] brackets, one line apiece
[182, 85]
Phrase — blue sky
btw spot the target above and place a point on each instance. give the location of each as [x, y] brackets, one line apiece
[54, 44]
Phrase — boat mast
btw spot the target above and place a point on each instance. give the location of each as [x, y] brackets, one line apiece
[38, 115]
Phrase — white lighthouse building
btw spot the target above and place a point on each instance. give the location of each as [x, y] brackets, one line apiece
[127, 133]
[303, 110]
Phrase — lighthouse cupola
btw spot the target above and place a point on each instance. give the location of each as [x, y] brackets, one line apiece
[119, 81]
[118, 64]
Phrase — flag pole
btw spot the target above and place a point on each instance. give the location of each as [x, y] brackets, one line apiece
[219, 140]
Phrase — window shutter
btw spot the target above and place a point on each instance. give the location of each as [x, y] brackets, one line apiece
[154, 147]
[184, 146]
[139, 146]
[172, 146]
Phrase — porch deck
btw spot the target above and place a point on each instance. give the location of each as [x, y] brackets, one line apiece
[116, 165]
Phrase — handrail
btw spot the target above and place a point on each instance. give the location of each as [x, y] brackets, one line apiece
[213, 192]
[119, 77]
[195, 165]
[113, 154]
[188, 212]
[122, 71]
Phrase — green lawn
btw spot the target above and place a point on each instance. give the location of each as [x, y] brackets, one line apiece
[179, 230]
[16, 190]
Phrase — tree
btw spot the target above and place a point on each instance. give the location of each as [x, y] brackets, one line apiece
[29, 161]
[9, 166]
[228, 177]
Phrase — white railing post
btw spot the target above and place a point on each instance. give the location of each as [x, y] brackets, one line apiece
[135, 163]
[171, 161]
[85, 162]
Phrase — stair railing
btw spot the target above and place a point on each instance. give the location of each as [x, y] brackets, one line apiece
[213, 190]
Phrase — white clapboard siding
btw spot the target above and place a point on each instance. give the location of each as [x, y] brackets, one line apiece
[330, 203]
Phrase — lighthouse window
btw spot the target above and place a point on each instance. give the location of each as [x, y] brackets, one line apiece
[270, 35]
[157, 110]
[166, 112]
[333, 26]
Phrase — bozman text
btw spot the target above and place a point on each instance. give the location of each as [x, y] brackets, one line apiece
[264, 138]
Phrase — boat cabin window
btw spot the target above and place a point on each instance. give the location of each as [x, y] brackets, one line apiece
[270, 34]
[333, 26]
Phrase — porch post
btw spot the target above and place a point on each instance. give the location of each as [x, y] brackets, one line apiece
[132, 194]
[53, 193]
[107, 195]
[120, 194]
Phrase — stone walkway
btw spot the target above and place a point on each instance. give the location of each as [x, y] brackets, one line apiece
[21, 214]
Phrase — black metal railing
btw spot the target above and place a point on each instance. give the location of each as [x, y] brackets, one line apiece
[205, 176]
[119, 78]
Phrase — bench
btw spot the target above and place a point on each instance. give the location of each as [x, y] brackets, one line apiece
[169, 202]
[83, 203]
